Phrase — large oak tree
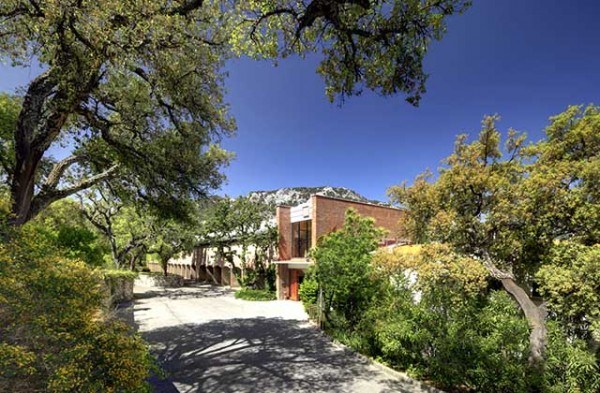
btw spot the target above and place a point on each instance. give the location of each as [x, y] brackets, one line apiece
[135, 88]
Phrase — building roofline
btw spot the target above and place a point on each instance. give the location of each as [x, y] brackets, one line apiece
[358, 202]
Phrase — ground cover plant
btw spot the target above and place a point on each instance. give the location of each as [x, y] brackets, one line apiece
[255, 294]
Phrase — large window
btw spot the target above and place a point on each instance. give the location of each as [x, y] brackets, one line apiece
[301, 240]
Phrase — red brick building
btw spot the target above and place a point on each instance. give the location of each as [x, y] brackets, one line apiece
[300, 227]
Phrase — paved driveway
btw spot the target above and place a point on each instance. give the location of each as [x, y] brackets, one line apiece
[208, 341]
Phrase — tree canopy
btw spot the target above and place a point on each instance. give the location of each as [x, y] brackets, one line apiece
[132, 233]
[244, 230]
[511, 208]
[136, 88]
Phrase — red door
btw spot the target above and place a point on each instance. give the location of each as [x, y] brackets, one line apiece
[294, 284]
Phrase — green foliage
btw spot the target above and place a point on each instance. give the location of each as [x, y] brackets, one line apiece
[133, 233]
[255, 294]
[456, 336]
[170, 237]
[125, 94]
[309, 289]
[373, 45]
[571, 366]
[80, 243]
[242, 233]
[523, 215]
[562, 187]
[513, 206]
[508, 207]
[10, 107]
[137, 87]
[271, 277]
[343, 266]
[570, 283]
[54, 336]
[436, 266]
[64, 225]
[465, 341]
[119, 274]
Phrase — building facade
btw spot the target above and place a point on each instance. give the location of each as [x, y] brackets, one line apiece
[300, 227]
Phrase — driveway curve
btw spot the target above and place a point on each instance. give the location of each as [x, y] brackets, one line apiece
[208, 341]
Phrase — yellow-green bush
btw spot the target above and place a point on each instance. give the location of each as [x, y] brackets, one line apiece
[54, 336]
[309, 290]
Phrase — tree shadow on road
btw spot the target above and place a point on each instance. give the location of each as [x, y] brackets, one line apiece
[193, 291]
[264, 355]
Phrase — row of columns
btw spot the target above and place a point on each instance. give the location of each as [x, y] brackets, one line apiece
[213, 274]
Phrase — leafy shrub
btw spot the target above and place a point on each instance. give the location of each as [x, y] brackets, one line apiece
[255, 294]
[480, 344]
[67, 230]
[343, 267]
[80, 243]
[433, 315]
[570, 365]
[114, 274]
[309, 290]
[53, 335]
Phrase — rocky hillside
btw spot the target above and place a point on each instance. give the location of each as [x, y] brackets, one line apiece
[293, 196]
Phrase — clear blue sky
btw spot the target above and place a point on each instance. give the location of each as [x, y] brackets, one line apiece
[525, 60]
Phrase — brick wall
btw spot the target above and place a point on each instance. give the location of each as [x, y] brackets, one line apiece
[328, 215]
[283, 285]
[284, 225]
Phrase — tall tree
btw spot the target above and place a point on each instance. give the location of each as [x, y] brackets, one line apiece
[136, 87]
[508, 207]
[122, 226]
[132, 232]
[169, 237]
[240, 228]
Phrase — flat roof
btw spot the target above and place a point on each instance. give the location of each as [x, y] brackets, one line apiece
[346, 200]
[358, 202]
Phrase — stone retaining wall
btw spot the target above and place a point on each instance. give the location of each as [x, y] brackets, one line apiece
[155, 280]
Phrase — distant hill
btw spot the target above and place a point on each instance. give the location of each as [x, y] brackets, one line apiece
[292, 196]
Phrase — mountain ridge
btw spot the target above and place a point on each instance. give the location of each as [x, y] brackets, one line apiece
[292, 196]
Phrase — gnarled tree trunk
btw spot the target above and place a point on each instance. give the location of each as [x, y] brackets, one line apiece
[48, 102]
[37, 126]
[534, 314]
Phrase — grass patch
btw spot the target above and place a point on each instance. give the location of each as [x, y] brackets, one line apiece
[255, 294]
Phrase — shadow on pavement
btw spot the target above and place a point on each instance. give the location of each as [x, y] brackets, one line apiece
[193, 291]
[262, 355]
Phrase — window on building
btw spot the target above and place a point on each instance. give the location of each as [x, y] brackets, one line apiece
[301, 241]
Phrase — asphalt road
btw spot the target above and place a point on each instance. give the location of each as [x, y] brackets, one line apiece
[208, 341]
